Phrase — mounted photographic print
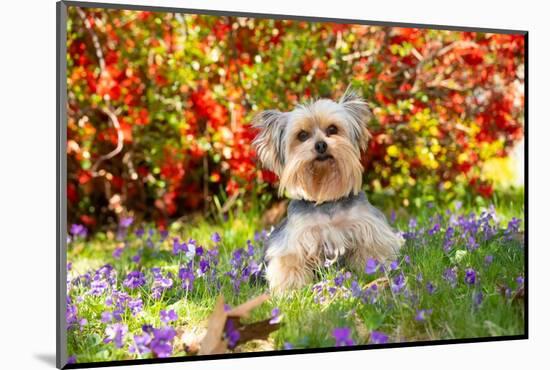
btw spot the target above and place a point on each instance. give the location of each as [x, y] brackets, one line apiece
[235, 185]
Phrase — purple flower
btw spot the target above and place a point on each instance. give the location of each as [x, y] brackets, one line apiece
[191, 249]
[232, 334]
[435, 229]
[136, 258]
[398, 283]
[470, 277]
[79, 231]
[339, 280]
[478, 299]
[393, 216]
[472, 244]
[488, 259]
[394, 265]
[160, 284]
[204, 265]
[370, 295]
[450, 276]
[115, 333]
[125, 222]
[71, 360]
[275, 316]
[288, 345]
[179, 247]
[250, 248]
[342, 336]
[407, 259]
[163, 235]
[421, 315]
[135, 305]
[356, 290]
[117, 314]
[378, 337]
[216, 238]
[187, 277]
[98, 287]
[161, 344]
[520, 280]
[371, 266]
[419, 277]
[412, 223]
[430, 287]
[140, 232]
[141, 344]
[513, 225]
[71, 314]
[134, 280]
[167, 316]
[118, 252]
[237, 258]
[106, 317]
[199, 251]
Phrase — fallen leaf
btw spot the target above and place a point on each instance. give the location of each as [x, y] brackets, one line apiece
[244, 309]
[212, 341]
[381, 282]
[257, 330]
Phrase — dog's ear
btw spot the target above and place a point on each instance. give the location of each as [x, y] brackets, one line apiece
[269, 141]
[359, 116]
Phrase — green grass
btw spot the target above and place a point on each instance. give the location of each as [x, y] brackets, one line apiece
[307, 322]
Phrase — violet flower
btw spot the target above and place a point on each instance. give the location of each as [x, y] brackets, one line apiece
[115, 333]
[342, 337]
[378, 337]
[134, 279]
[168, 316]
[470, 277]
[161, 344]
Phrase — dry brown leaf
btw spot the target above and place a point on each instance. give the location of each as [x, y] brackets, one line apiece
[381, 282]
[244, 309]
[514, 295]
[257, 330]
[212, 341]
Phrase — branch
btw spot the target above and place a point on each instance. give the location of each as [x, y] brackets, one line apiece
[120, 141]
[108, 109]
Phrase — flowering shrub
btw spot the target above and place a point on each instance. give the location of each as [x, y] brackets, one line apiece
[160, 104]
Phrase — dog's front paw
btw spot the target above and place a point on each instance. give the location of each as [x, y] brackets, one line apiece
[287, 273]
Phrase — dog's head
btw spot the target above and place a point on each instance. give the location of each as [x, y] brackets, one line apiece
[315, 149]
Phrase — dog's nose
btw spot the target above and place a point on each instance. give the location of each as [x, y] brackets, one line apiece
[321, 147]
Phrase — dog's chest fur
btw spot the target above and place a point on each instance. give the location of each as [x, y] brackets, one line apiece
[323, 233]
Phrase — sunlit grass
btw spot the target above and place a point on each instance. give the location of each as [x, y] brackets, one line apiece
[307, 322]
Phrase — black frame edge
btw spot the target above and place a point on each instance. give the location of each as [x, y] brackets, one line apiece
[61, 183]
[216, 12]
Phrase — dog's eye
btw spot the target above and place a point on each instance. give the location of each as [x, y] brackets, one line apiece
[302, 136]
[332, 130]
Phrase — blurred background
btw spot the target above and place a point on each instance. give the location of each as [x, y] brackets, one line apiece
[160, 105]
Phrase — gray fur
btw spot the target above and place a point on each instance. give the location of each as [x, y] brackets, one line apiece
[304, 208]
[272, 124]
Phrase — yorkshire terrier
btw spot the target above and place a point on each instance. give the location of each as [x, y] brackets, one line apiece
[315, 150]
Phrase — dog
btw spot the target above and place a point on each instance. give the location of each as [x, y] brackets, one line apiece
[315, 150]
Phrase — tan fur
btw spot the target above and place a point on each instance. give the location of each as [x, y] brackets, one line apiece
[355, 234]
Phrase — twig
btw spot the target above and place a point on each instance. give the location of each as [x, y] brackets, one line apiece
[95, 39]
[120, 141]
[108, 109]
